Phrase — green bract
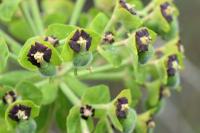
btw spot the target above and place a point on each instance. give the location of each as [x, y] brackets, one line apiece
[68, 54]
[23, 58]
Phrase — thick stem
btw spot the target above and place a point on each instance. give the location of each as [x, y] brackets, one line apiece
[76, 13]
[27, 15]
[68, 93]
[14, 45]
[36, 16]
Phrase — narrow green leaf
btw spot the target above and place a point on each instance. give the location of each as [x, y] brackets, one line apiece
[4, 54]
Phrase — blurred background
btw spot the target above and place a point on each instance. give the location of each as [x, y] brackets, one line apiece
[181, 113]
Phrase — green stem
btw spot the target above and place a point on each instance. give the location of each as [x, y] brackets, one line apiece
[36, 16]
[27, 15]
[13, 56]
[101, 68]
[84, 126]
[112, 20]
[14, 45]
[77, 10]
[108, 126]
[149, 7]
[104, 76]
[68, 93]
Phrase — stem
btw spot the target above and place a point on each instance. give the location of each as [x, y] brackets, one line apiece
[13, 56]
[77, 10]
[108, 126]
[112, 20]
[25, 10]
[84, 126]
[14, 45]
[36, 16]
[100, 69]
[71, 96]
[104, 76]
[149, 7]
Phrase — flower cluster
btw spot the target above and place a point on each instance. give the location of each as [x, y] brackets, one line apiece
[9, 97]
[52, 40]
[172, 65]
[87, 111]
[20, 112]
[122, 107]
[39, 54]
[167, 11]
[127, 6]
[109, 37]
[143, 39]
[81, 41]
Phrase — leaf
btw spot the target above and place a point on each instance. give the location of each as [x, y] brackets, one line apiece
[174, 81]
[57, 11]
[27, 127]
[111, 54]
[130, 122]
[101, 126]
[124, 93]
[14, 77]
[8, 8]
[113, 118]
[73, 121]
[58, 18]
[99, 22]
[96, 95]
[43, 119]
[4, 54]
[62, 108]
[78, 87]
[153, 94]
[101, 4]
[135, 91]
[3, 127]
[84, 20]
[68, 54]
[34, 111]
[128, 20]
[22, 26]
[23, 58]
[29, 91]
[49, 91]
[158, 23]
[61, 31]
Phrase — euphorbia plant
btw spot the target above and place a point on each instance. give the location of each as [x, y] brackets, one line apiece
[57, 46]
